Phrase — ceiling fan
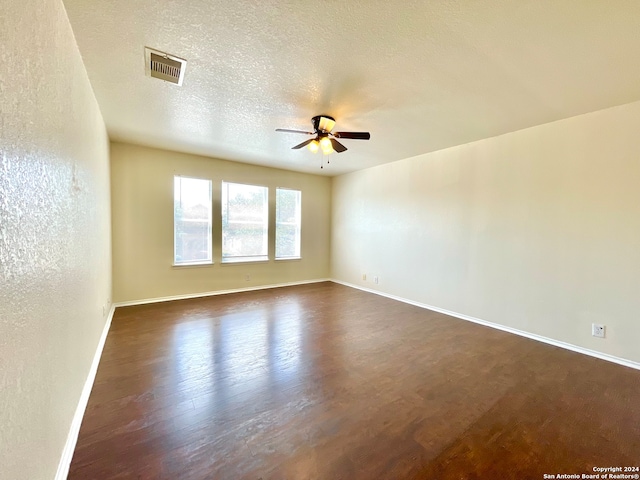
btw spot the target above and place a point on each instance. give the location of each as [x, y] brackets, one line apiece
[324, 139]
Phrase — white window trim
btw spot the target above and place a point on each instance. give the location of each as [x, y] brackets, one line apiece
[193, 264]
[234, 260]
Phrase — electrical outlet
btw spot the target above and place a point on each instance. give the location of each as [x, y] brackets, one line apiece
[375, 280]
[247, 278]
[364, 277]
[597, 330]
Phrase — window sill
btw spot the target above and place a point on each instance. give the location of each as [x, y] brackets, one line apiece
[243, 260]
[192, 265]
[281, 259]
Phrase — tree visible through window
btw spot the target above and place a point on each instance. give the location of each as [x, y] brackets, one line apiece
[191, 220]
[245, 215]
[288, 214]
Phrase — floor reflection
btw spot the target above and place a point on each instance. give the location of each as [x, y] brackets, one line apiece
[284, 342]
[192, 347]
[240, 347]
[243, 356]
[257, 366]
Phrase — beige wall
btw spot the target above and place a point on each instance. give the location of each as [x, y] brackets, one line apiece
[55, 272]
[537, 230]
[142, 219]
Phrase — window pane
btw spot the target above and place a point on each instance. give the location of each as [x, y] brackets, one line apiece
[191, 220]
[245, 215]
[288, 214]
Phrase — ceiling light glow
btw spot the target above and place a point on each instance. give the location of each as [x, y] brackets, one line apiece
[325, 144]
[313, 146]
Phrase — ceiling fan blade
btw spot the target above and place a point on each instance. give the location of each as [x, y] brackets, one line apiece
[293, 131]
[353, 135]
[303, 144]
[337, 146]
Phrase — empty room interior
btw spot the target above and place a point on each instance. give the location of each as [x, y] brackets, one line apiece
[319, 240]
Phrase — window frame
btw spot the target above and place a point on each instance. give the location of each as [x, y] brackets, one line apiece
[230, 260]
[298, 224]
[197, 263]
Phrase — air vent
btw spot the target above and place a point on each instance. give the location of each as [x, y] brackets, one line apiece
[164, 66]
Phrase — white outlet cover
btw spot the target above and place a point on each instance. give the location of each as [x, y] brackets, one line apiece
[598, 330]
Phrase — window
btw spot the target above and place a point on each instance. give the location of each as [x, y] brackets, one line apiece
[245, 216]
[288, 208]
[191, 221]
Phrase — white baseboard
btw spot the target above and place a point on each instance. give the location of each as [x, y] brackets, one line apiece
[216, 292]
[74, 430]
[522, 333]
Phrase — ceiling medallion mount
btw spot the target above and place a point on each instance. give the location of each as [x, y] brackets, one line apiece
[324, 137]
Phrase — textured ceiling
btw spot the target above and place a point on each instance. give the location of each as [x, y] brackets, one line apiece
[420, 76]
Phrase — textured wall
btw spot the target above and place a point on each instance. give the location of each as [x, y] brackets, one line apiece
[142, 193]
[54, 234]
[538, 230]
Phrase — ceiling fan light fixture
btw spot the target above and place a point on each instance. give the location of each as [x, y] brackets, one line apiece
[325, 145]
[323, 139]
[326, 123]
[313, 146]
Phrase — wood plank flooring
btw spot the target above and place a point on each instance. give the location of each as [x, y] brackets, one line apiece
[323, 381]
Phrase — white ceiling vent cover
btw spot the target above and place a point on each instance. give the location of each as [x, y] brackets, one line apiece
[164, 66]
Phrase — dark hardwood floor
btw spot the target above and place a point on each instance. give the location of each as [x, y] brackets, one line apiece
[323, 381]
